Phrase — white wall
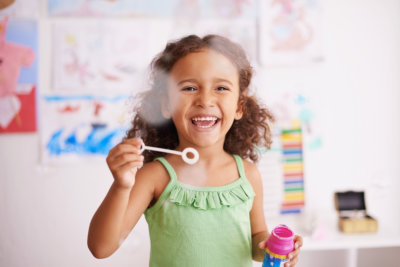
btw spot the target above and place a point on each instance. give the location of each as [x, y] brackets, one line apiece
[45, 212]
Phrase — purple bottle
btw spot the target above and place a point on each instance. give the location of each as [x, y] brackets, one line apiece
[279, 244]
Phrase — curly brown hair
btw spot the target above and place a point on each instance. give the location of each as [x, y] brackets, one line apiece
[245, 135]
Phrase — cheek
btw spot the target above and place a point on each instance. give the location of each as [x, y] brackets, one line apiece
[174, 105]
[177, 104]
[231, 105]
[172, 101]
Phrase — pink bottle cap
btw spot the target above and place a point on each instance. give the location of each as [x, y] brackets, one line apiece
[281, 240]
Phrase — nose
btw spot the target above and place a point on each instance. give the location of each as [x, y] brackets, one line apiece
[205, 98]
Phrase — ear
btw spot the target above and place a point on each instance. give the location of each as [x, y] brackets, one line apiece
[239, 112]
[239, 109]
[165, 110]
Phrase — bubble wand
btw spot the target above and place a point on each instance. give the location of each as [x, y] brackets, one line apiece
[183, 154]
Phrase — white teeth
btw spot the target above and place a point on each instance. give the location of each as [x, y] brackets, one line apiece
[205, 119]
[211, 121]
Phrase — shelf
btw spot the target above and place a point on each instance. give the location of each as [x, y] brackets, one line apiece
[347, 241]
[326, 235]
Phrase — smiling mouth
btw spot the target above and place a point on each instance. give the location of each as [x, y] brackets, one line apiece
[205, 122]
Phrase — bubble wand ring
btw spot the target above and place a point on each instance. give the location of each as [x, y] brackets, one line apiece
[183, 154]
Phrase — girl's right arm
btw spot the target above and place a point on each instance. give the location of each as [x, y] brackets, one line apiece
[131, 191]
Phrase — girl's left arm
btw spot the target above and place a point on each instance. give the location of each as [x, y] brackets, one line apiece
[258, 226]
[259, 229]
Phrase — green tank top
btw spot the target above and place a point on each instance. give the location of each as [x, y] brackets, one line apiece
[201, 226]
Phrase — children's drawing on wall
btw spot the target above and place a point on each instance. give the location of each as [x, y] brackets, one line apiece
[290, 32]
[18, 75]
[295, 109]
[293, 170]
[282, 167]
[20, 8]
[80, 126]
[101, 56]
[154, 8]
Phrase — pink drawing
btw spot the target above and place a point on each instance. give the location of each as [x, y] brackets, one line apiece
[12, 58]
[290, 30]
[79, 68]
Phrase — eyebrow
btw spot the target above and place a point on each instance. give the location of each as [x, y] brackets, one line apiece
[195, 81]
[187, 80]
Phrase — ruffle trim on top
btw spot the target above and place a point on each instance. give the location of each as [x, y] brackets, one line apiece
[206, 200]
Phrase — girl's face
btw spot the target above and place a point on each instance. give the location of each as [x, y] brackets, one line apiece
[203, 94]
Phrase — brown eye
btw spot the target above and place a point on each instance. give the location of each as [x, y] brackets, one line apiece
[189, 88]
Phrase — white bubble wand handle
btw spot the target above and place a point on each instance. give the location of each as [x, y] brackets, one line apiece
[183, 154]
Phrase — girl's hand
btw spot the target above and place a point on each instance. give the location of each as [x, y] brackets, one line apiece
[298, 243]
[123, 161]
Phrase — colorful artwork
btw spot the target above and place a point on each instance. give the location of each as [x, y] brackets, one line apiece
[193, 9]
[297, 110]
[290, 32]
[293, 171]
[295, 132]
[18, 76]
[102, 56]
[282, 170]
[82, 125]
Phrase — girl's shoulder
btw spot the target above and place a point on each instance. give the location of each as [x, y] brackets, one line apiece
[252, 173]
[152, 171]
[155, 176]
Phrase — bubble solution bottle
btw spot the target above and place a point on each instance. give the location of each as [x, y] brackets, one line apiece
[279, 244]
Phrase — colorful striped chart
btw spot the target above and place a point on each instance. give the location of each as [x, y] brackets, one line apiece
[292, 150]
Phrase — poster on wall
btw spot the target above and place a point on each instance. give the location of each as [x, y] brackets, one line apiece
[296, 131]
[75, 127]
[18, 75]
[293, 171]
[290, 32]
[154, 8]
[282, 171]
[102, 57]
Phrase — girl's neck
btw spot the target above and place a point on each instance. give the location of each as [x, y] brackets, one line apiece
[208, 155]
[215, 167]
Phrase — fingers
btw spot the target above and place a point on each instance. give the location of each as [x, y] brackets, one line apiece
[130, 166]
[262, 244]
[292, 262]
[293, 256]
[298, 241]
[123, 161]
[125, 155]
[131, 145]
[134, 141]
[126, 158]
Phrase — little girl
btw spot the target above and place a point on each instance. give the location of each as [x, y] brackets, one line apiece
[206, 214]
